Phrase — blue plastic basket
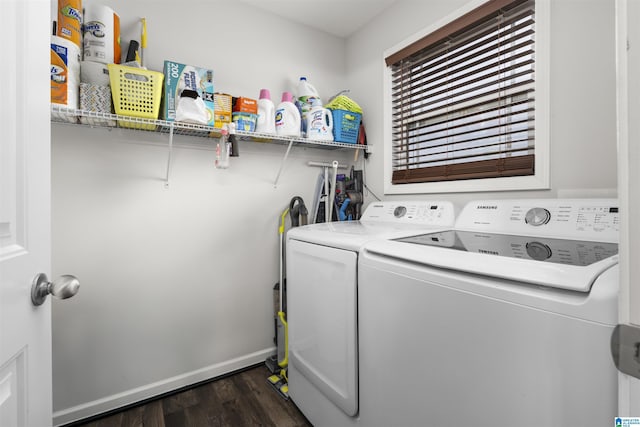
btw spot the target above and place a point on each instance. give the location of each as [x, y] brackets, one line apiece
[346, 126]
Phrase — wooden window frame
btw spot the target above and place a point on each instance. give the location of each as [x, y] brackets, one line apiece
[424, 182]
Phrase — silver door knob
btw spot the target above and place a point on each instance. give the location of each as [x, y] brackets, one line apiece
[63, 287]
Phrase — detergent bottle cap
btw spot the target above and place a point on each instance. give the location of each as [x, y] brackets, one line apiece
[317, 102]
[265, 94]
[287, 97]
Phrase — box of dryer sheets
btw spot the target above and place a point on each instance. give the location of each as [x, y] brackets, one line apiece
[188, 94]
[222, 109]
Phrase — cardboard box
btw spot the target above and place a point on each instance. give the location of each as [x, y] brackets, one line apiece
[244, 121]
[245, 105]
[222, 109]
[178, 77]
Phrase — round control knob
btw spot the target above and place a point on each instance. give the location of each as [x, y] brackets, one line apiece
[399, 211]
[538, 251]
[537, 216]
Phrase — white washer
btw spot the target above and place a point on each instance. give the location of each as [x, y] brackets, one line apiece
[322, 293]
[505, 320]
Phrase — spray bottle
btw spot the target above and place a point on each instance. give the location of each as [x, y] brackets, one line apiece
[223, 149]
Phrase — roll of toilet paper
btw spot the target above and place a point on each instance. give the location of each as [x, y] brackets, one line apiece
[95, 73]
[101, 31]
[65, 72]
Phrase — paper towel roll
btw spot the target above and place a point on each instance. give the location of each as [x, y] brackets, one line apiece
[101, 32]
[70, 20]
[65, 73]
[95, 73]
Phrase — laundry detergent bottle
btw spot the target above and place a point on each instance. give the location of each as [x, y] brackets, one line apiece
[287, 117]
[266, 113]
[319, 122]
[306, 93]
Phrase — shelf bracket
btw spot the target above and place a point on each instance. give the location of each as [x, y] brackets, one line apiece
[284, 160]
[166, 181]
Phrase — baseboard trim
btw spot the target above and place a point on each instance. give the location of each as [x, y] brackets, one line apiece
[150, 391]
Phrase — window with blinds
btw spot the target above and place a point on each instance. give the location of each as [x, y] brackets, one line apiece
[463, 98]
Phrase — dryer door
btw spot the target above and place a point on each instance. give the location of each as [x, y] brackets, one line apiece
[321, 311]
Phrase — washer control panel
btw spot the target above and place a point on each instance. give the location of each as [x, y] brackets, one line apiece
[584, 219]
[400, 211]
[537, 216]
[432, 213]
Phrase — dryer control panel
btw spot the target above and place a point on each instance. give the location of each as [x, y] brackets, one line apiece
[431, 213]
[582, 219]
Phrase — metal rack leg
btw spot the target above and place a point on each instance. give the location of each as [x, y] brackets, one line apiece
[284, 160]
[166, 181]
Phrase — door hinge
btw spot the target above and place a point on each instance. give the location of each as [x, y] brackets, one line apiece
[625, 349]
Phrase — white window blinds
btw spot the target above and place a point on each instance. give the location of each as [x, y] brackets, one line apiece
[463, 98]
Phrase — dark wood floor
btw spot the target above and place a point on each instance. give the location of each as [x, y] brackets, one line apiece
[242, 399]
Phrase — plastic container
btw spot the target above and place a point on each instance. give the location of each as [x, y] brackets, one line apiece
[244, 121]
[266, 113]
[346, 125]
[136, 92]
[319, 122]
[287, 117]
[305, 95]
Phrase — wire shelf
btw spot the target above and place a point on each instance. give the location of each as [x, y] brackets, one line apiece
[60, 114]
[107, 120]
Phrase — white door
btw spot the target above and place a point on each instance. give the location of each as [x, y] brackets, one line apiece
[25, 241]
[628, 105]
[322, 316]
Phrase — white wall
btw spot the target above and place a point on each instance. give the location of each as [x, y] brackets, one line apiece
[176, 284]
[582, 110]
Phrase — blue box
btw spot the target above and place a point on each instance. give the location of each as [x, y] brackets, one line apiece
[245, 121]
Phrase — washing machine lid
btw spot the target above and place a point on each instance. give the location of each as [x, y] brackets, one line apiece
[352, 235]
[384, 220]
[562, 264]
[560, 243]
[558, 263]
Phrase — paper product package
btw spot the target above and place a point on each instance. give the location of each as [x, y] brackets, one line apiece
[65, 76]
[222, 109]
[101, 34]
[188, 94]
[95, 98]
[70, 21]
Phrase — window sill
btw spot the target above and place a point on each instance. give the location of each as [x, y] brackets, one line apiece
[518, 183]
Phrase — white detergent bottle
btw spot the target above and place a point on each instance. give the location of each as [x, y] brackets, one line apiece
[305, 95]
[287, 117]
[319, 122]
[266, 113]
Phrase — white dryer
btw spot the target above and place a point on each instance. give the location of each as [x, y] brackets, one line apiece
[322, 301]
[503, 320]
